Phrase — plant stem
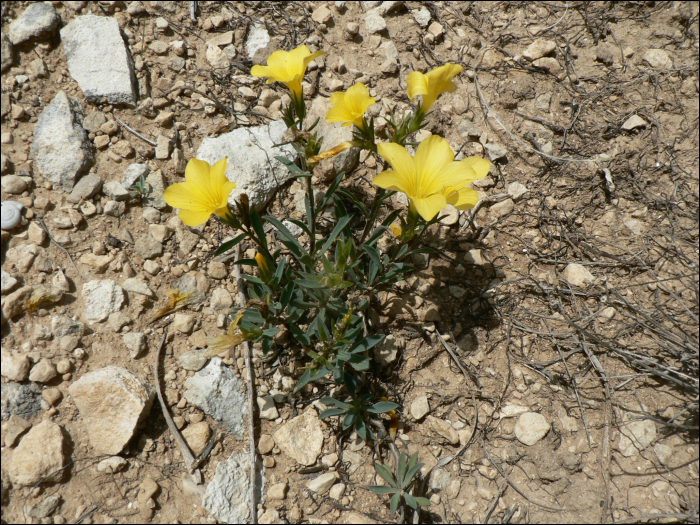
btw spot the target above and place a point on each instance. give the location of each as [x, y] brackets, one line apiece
[251, 396]
[373, 213]
[312, 210]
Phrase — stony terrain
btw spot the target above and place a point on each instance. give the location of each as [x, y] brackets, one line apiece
[550, 348]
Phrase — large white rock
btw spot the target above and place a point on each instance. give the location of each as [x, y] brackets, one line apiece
[251, 160]
[217, 391]
[101, 299]
[99, 60]
[301, 438]
[38, 19]
[258, 38]
[226, 497]
[61, 148]
[112, 403]
[39, 454]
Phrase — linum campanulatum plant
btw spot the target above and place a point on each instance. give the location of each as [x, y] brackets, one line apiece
[319, 287]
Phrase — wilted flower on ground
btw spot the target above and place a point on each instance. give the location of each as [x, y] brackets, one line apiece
[287, 67]
[350, 107]
[222, 343]
[205, 191]
[432, 84]
[177, 301]
[432, 178]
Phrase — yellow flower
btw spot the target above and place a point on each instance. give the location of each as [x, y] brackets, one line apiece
[205, 191]
[432, 178]
[287, 67]
[433, 84]
[330, 153]
[349, 107]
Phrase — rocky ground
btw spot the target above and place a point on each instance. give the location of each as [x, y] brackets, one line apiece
[549, 349]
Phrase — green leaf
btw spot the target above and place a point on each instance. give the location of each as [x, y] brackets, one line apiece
[308, 376]
[252, 279]
[299, 335]
[355, 201]
[367, 343]
[230, 244]
[333, 401]
[361, 427]
[292, 243]
[310, 217]
[342, 223]
[307, 283]
[296, 170]
[394, 503]
[382, 406]
[413, 460]
[258, 226]
[359, 363]
[301, 225]
[409, 475]
[271, 332]
[249, 262]
[402, 466]
[372, 253]
[331, 412]
[423, 502]
[410, 500]
[331, 189]
[386, 474]
[342, 355]
[287, 293]
[382, 489]
[349, 420]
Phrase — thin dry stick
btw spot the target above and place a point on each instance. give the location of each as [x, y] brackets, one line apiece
[251, 393]
[136, 133]
[181, 443]
[41, 221]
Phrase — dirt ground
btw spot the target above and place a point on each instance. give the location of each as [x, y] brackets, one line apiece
[491, 328]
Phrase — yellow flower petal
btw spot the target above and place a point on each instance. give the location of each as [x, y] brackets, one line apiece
[205, 191]
[403, 164]
[417, 84]
[433, 154]
[179, 195]
[389, 180]
[349, 107]
[433, 84]
[194, 218]
[428, 207]
[287, 67]
[480, 166]
[463, 199]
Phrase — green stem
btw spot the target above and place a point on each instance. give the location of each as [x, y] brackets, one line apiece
[312, 210]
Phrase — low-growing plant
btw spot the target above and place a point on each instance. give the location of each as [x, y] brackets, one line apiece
[355, 412]
[401, 484]
[140, 188]
[319, 287]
